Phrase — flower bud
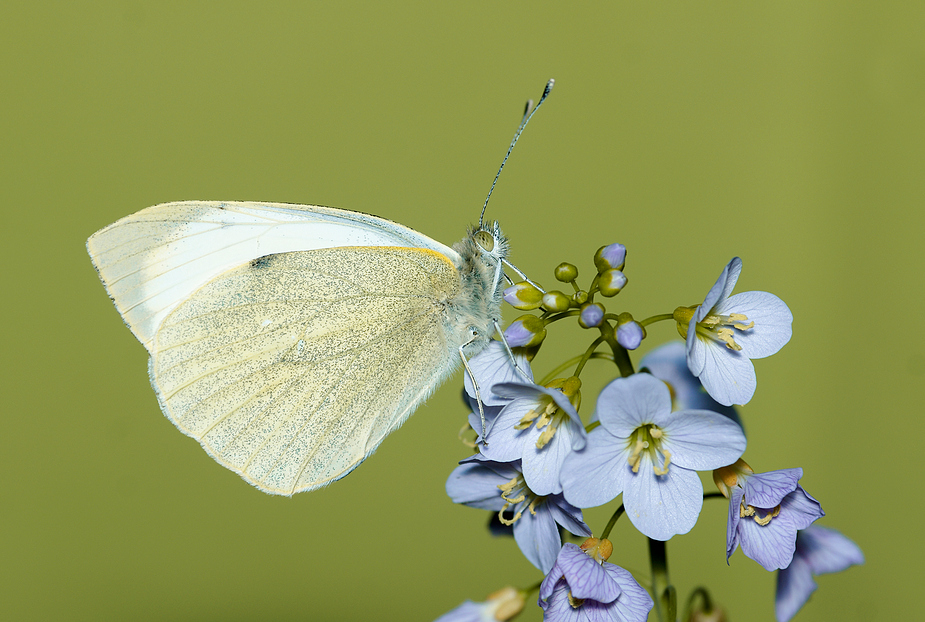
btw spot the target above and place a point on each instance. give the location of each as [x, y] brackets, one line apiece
[598, 549]
[523, 296]
[591, 315]
[629, 333]
[566, 272]
[556, 301]
[527, 330]
[580, 297]
[728, 476]
[611, 282]
[611, 257]
[507, 603]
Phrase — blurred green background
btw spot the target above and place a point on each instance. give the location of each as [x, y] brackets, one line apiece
[791, 134]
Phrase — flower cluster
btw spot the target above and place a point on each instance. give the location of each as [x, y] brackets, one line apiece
[538, 463]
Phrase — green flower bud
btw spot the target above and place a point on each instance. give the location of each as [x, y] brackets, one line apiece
[556, 301]
[523, 296]
[525, 332]
[611, 282]
[612, 256]
[566, 272]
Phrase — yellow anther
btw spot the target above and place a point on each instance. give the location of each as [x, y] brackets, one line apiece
[545, 436]
[728, 337]
[508, 487]
[575, 602]
[655, 432]
[663, 470]
[636, 457]
[767, 518]
[505, 521]
[527, 420]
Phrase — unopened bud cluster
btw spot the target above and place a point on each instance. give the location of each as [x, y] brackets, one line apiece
[530, 330]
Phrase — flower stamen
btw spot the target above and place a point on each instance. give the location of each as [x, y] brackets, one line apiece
[517, 486]
[752, 511]
[716, 328]
[649, 438]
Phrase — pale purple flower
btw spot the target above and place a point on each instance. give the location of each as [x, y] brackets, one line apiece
[669, 364]
[579, 588]
[651, 455]
[765, 512]
[498, 607]
[726, 332]
[819, 550]
[539, 426]
[500, 487]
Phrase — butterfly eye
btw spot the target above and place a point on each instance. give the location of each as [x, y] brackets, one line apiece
[485, 240]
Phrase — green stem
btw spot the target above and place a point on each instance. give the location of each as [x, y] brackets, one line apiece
[612, 522]
[656, 318]
[587, 355]
[572, 361]
[663, 597]
[620, 356]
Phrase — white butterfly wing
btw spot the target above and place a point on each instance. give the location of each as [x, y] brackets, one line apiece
[154, 259]
[291, 369]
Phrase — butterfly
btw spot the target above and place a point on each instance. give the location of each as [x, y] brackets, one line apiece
[290, 340]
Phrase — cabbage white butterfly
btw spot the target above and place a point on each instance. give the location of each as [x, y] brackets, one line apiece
[290, 340]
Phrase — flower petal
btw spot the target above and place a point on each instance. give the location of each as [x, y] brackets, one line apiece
[800, 510]
[634, 603]
[701, 440]
[626, 403]
[475, 419]
[515, 389]
[772, 319]
[568, 516]
[827, 550]
[505, 443]
[586, 578]
[663, 506]
[476, 485]
[668, 363]
[766, 490]
[491, 366]
[773, 545]
[732, 524]
[595, 475]
[728, 376]
[794, 587]
[721, 289]
[537, 536]
[820, 550]
[543, 466]
[554, 599]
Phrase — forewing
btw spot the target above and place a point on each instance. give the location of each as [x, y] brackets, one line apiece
[154, 259]
[291, 369]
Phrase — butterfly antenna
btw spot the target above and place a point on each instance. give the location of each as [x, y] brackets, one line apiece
[529, 111]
